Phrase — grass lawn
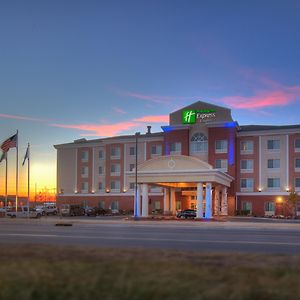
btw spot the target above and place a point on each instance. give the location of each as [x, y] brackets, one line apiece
[49, 272]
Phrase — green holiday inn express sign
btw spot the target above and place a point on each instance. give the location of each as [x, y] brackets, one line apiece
[190, 116]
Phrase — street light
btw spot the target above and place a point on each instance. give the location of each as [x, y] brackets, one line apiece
[136, 206]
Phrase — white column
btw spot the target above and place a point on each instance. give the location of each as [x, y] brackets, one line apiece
[173, 201]
[199, 200]
[166, 200]
[208, 202]
[217, 201]
[224, 210]
[145, 206]
[137, 204]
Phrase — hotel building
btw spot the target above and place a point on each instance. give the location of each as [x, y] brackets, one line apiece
[202, 160]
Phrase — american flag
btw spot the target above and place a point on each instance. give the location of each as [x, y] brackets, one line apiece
[9, 143]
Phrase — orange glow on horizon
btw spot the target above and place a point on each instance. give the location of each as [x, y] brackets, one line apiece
[42, 177]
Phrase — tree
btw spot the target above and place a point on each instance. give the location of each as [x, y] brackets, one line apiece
[292, 201]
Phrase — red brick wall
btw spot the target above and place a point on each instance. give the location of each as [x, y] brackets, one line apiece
[176, 136]
[148, 148]
[258, 204]
[228, 134]
[125, 202]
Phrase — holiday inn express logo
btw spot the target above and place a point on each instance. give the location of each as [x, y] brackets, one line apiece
[190, 116]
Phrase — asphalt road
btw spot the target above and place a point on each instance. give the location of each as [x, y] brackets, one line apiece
[190, 236]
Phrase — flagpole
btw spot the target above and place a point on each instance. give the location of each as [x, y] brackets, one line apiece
[28, 162]
[17, 171]
[6, 170]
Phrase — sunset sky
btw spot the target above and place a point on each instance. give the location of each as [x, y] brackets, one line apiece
[72, 69]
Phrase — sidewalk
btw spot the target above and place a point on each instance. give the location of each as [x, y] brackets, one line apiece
[225, 223]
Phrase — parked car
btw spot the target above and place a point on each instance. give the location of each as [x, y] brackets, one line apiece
[41, 209]
[95, 211]
[50, 209]
[187, 213]
[72, 210]
[22, 212]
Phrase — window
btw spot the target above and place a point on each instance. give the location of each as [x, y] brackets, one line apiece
[85, 172]
[274, 145]
[84, 156]
[176, 148]
[115, 169]
[157, 205]
[101, 170]
[297, 145]
[247, 206]
[131, 167]
[297, 163]
[131, 185]
[222, 164]
[273, 182]
[101, 186]
[101, 204]
[246, 147]
[156, 150]
[132, 151]
[269, 206]
[101, 154]
[115, 152]
[246, 165]
[115, 205]
[273, 163]
[198, 143]
[221, 146]
[115, 185]
[297, 183]
[84, 187]
[247, 183]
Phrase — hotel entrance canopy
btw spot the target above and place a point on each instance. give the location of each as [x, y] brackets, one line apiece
[180, 171]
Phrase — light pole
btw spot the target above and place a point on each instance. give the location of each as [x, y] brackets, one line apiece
[136, 206]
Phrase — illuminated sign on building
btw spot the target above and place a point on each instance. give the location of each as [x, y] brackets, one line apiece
[191, 116]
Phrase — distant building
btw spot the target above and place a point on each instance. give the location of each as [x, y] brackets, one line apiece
[202, 159]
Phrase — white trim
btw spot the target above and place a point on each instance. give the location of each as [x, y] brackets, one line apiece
[287, 161]
[269, 132]
[110, 141]
[105, 194]
[192, 172]
[259, 164]
[93, 170]
[124, 171]
[76, 169]
[263, 194]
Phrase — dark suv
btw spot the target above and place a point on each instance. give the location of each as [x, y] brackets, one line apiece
[187, 213]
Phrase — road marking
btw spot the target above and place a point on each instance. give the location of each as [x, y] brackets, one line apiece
[150, 239]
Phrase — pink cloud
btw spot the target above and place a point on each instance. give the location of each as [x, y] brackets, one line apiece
[153, 119]
[157, 99]
[5, 116]
[119, 110]
[151, 98]
[108, 130]
[281, 96]
[100, 130]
